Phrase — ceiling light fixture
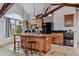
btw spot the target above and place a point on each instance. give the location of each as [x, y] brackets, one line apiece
[50, 15]
[34, 17]
[34, 11]
[23, 13]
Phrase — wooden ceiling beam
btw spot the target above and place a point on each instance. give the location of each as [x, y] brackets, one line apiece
[39, 15]
[67, 4]
[71, 5]
[50, 12]
[5, 8]
[57, 4]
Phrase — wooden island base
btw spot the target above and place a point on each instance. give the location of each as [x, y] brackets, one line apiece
[44, 41]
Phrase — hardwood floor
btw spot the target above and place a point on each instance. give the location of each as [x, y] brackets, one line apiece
[60, 50]
[56, 50]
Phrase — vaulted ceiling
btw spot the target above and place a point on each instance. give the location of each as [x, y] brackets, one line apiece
[32, 9]
[1, 4]
[39, 8]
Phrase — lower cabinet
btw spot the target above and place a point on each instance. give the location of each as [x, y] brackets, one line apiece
[44, 42]
[57, 38]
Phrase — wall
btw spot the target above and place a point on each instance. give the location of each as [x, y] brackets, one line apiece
[77, 25]
[59, 18]
[2, 25]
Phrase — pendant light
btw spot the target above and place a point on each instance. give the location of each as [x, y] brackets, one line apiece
[50, 15]
[23, 13]
[34, 17]
[34, 11]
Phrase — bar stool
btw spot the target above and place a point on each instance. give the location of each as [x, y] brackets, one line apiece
[31, 46]
[17, 43]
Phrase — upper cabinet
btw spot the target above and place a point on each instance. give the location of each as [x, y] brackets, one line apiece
[29, 24]
[39, 22]
[69, 20]
[36, 23]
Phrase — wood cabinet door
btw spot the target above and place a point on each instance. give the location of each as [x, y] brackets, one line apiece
[24, 41]
[56, 40]
[39, 22]
[53, 37]
[60, 38]
[68, 20]
[47, 43]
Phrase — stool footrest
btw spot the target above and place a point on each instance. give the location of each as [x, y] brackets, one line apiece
[32, 49]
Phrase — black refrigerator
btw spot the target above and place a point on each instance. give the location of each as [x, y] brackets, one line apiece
[47, 28]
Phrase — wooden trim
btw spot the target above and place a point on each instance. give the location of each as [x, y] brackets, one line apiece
[5, 8]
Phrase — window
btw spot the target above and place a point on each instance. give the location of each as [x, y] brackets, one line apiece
[13, 26]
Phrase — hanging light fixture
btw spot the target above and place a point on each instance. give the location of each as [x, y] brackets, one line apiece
[34, 12]
[23, 13]
[50, 14]
[34, 17]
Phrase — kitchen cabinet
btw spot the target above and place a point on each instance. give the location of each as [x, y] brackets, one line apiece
[42, 39]
[39, 22]
[69, 20]
[57, 38]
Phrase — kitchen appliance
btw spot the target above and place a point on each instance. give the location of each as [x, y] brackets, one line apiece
[47, 28]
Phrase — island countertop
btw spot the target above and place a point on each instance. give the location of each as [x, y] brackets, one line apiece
[34, 34]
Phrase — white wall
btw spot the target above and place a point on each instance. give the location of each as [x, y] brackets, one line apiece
[2, 22]
[59, 18]
[77, 26]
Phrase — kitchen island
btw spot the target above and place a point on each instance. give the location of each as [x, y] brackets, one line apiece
[44, 41]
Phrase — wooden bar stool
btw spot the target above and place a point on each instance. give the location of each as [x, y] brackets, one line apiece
[31, 46]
